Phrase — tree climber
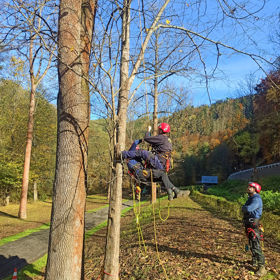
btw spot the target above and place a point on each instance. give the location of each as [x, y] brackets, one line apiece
[252, 211]
[144, 176]
[158, 160]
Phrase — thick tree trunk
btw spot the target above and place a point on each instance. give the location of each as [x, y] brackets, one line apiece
[27, 157]
[67, 221]
[111, 261]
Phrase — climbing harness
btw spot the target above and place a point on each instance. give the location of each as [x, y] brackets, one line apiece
[251, 231]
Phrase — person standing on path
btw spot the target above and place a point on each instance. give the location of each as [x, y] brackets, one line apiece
[252, 211]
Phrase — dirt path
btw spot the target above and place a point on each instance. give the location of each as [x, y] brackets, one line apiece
[192, 244]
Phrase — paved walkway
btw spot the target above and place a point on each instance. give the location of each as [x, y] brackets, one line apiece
[30, 248]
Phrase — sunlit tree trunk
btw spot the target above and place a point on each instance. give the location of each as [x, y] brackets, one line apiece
[65, 251]
[27, 157]
[36, 73]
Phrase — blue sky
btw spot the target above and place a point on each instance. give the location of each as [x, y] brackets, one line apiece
[235, 68]
[235, 71]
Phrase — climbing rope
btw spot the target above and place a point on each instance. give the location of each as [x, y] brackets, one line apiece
[138, 226]
[156, 243]
[168, 205]
[168, 212]
[155, 233]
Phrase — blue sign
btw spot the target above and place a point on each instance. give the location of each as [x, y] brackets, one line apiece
[209, 179]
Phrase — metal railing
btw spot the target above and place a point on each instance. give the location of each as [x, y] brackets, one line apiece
[251, 170]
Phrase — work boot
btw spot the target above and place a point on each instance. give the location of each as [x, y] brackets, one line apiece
[170, 194]
[261, 271]
[177, 192]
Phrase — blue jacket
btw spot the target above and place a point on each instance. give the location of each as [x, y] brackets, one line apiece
[253, 207]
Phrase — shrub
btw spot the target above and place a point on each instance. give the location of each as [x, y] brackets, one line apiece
[271, 200]
[271, 183]
[10, 179]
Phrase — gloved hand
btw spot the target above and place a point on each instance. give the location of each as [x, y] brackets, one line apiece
[149, 128]
[137, 142]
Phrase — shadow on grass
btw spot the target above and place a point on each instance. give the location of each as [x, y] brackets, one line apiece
[4, 214]
[8, 265]
[211, 257]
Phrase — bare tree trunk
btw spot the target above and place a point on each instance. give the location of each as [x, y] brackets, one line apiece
[87, 26]
[155, 113]
[32, 20]
[67, 222]
[7, 200]
[111, 261]
[35, 192]
[25, 179]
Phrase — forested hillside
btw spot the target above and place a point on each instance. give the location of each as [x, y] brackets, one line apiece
[225, 137]
[14, 104]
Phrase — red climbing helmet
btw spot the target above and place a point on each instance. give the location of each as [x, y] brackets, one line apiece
[257, 186]
[165, 127]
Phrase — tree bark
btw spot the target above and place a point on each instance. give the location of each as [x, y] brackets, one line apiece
[7, 200]
[65, 251]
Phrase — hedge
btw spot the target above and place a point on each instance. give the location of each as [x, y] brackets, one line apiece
[270, 221]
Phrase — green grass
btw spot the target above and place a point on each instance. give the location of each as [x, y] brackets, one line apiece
[96, 209]
[47, 225]
[22, 234]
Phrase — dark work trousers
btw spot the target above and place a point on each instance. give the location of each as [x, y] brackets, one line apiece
[255, 236]
[147, 156]
[162, 176]
[144, 176]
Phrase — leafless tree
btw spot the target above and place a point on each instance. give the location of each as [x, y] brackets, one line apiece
[26, 31]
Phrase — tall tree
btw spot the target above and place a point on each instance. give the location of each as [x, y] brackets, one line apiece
[26, 32]
[111, 261]
[65, 251]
